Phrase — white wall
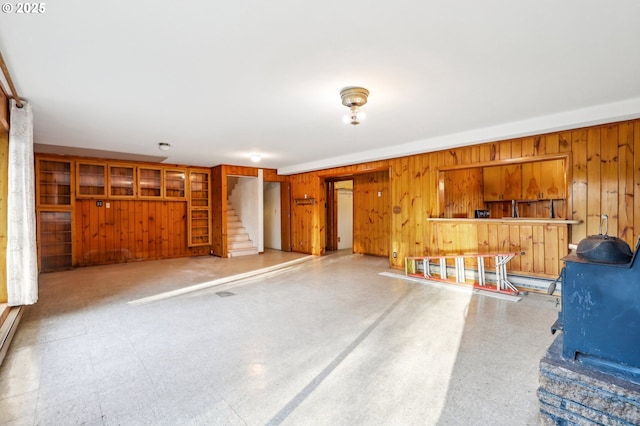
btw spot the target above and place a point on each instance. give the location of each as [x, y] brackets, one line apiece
[272, 216]
[345, 218]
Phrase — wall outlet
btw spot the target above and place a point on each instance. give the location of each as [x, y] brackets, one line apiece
[395, 255]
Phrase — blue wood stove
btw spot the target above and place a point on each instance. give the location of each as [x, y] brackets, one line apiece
[600, 316]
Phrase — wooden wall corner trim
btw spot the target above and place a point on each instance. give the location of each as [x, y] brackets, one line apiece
[4, 112]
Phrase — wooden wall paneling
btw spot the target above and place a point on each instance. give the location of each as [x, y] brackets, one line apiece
[527, 147]
[218, 212]
[538, 249]
[164, 227]
[539, 147]
[371, 213]
[239, 170]
[578, 184]
[636, 182]
[4, 193]
[565, 142]
[552, 143]
[609, 176]
[93, 248]
[405, 204]
[129, 223]
[504, 150]
[320, 218]
[417, 200]
[514, 246]
[526, 246]
[4, 113]
[625, 189]
[551, 252]
[118, 232]
[494, 243]
[593, 181]
[516, 148]
[147, 244]
[109, 233]
[504, 239]
[396, 224]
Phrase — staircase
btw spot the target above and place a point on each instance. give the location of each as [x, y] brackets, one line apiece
[238, 241]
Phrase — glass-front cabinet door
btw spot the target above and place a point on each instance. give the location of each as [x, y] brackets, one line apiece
[175, 181]
[199, 208]
[149, 182]
[91, 180]
[54, 183]
[122, 181]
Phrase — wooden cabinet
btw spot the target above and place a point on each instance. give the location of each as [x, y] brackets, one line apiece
[55, 240]
[544, 180]
[91, 180]
[536, 180]
[199, 225]
[502, 182]
[122, 182]
[54, 183]
[175, 183]
[150, 182]
[55, 197]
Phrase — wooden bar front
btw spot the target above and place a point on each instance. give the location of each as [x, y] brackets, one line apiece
[544, 241]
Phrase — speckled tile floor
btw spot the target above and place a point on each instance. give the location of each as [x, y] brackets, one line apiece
[324, 342]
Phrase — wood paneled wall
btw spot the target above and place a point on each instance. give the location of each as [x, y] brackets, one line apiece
[218, 211]
[371, 213]
[462, 192]
[4, 111]
[131, 230]
[603, 178]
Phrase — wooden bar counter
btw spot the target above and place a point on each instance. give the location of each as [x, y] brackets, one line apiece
[543, 241]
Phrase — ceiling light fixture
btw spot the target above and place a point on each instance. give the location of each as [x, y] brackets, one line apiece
[255, 158]
[163, 146]
[354, 98]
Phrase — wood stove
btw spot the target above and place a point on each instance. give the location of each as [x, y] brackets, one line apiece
[600, 317]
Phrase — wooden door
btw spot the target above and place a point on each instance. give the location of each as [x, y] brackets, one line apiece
[511, 182]
[492, 183]
[531, 181]
[552, 180]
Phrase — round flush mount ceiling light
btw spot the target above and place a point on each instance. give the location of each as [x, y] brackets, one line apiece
[354, 97]
[163, 146]
[256, 158]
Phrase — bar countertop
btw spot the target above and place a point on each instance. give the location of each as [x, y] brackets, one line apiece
[508, 220]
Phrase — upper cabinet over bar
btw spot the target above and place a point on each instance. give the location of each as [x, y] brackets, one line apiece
[531, 181]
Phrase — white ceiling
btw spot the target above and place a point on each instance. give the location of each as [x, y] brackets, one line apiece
[222, 80]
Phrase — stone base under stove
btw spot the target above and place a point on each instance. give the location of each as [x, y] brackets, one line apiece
[571, 393]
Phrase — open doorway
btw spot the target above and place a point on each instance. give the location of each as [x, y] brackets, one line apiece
[272, 216]
[339, 214]
[277, 216]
